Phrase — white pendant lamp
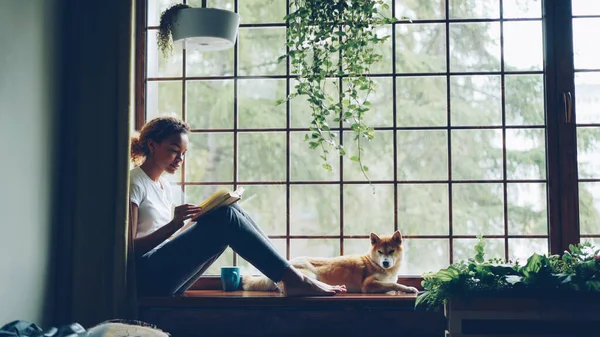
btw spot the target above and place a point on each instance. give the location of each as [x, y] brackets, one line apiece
[205, 29]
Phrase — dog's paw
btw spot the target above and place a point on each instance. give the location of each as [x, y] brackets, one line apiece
[394, 292]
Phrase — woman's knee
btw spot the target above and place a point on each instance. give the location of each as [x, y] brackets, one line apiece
[224, 217]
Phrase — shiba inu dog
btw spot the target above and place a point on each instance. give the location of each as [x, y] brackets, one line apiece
[374, 272]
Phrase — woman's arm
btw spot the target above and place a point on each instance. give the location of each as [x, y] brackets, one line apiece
[144, 244]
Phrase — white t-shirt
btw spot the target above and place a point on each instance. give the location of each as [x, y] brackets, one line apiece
[154, 201]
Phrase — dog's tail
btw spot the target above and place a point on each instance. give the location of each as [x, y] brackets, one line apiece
[258, 283]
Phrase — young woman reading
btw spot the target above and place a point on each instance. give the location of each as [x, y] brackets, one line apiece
[166, 267]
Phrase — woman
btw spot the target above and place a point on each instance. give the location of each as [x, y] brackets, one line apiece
[172, 266]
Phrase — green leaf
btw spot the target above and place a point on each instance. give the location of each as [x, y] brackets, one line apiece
[355, 158]
[365, 168]
[327, 167]
[479, 258]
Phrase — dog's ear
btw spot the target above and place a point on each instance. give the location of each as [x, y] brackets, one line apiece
[374, 238]
[397, 237]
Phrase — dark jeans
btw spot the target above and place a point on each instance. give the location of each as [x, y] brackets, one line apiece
[173, 266]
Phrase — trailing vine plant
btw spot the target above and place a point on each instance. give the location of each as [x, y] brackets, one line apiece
[335, 39]
[163, 36]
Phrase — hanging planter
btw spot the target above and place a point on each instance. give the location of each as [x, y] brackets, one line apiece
[204, 29]
[335, 39]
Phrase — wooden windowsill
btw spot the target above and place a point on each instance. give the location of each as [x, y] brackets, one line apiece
[214, 282]
[211, 298]
[260, 314]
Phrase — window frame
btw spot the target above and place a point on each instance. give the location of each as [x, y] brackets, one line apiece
[561, 143]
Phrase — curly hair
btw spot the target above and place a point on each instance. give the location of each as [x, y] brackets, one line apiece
[157, 130]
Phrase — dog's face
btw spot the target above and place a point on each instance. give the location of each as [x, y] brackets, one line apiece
[386, 251]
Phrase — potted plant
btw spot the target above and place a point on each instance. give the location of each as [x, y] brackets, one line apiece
[206, 29]
[485, 296]
[335, 39]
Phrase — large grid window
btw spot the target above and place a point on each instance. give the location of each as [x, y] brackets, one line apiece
[460, 145]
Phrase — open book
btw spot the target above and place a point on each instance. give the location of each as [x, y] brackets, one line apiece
[220, 198]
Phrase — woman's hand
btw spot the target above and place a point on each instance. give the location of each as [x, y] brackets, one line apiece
[182, 213]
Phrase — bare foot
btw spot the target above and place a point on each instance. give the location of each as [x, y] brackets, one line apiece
[298, 284]
[337, 288]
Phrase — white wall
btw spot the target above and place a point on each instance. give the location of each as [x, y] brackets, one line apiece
[28, 88]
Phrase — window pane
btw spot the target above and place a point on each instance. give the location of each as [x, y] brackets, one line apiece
[476, 100]
[214, 63]
[588, 148]
[525, 154]
[163, 98]
[589, 207]
[365, 212]
[521, 249]
[156, 7]
[378, 156]
[423, 209]
[479, 9]
[262, 11]
[387, 12]
[586, 54]
[383, 66]
[262, 156]
[421, 101]
[594, 241]
[587, 97]
[476, 154]
[477, 208]
[585, 7]
[210, 157]
[381, 109]
[315, 209]
[423, 256]
[524, 99]
[422, 155]
[210, 104]
[422, 9]
[523, 45]
[522, 8]
[246, 268]
[306, 163]
[177, 193]
[420, 48]
[300, 110]
[314, 247]
[266, 204]
[259, 50]
[256, 103]
[359, 246]
[221, 4]
[159, 66]
[463, 249]
[475, 46]
[527, 214]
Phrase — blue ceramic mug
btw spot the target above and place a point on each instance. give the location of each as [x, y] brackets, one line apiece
[230, 278]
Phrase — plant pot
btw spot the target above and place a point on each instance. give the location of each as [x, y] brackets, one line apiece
[206, 29]
[576, 315]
